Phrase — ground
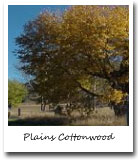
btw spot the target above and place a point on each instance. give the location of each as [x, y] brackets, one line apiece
[31, 115]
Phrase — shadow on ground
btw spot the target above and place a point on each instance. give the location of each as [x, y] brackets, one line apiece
[42, 121]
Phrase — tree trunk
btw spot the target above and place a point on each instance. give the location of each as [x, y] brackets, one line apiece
[44, 107]
[42, 103]
[127, 115]
[41, 106]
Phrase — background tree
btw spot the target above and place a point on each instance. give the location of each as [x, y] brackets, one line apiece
[16, 93]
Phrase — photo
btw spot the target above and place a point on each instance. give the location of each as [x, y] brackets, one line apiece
[68, 65]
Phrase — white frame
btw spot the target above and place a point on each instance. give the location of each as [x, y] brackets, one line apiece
[13, 135]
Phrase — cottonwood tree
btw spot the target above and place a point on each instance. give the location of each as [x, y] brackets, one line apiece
[65, 54]
[97, 40]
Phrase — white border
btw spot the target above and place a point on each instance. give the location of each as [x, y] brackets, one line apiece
[13, 136]
[68, 2]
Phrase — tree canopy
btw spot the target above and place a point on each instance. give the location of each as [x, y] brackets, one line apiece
[83, 50]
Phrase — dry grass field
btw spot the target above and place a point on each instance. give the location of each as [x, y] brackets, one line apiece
[31, 115]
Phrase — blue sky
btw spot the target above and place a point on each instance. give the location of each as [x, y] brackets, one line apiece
[18, 15]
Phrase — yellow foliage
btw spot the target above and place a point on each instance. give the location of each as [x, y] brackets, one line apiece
[113, 95]
[116, 96]
[85, 82]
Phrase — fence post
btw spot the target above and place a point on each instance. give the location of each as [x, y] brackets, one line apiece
[9, 114]
[19, 111]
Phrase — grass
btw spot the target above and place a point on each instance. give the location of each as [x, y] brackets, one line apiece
[32, 116]
[102, 117]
